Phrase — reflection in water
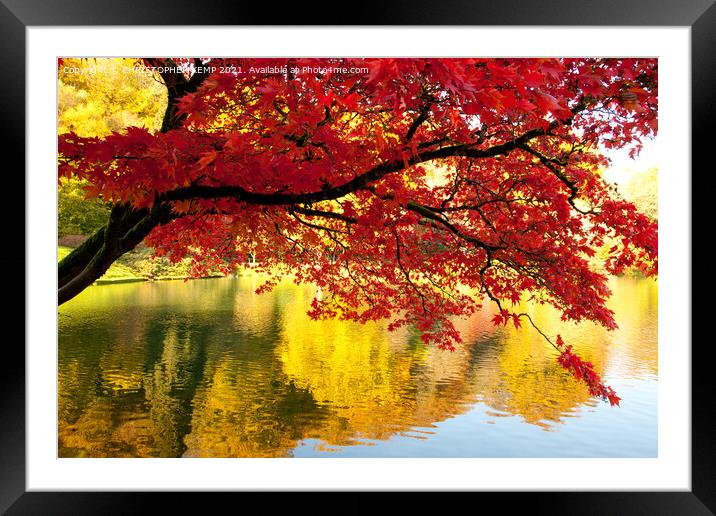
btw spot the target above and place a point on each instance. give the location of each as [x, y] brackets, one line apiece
[207, 368]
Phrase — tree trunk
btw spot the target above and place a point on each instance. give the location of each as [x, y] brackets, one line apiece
[126, 228]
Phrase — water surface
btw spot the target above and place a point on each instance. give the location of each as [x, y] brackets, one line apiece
[207, 368]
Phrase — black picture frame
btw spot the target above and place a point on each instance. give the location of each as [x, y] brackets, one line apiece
[17, 15]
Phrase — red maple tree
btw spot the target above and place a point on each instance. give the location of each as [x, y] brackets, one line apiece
[408, 189]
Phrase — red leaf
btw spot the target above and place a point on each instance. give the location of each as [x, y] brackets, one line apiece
[207, 159]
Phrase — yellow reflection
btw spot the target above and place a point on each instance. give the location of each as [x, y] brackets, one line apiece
[526, 380]
[376, 384]
[210, 369]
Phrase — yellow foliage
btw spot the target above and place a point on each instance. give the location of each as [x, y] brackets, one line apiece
[98, 96]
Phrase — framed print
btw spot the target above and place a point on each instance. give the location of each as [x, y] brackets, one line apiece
[396, 229]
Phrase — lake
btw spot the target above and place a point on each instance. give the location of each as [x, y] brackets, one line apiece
[208, 368]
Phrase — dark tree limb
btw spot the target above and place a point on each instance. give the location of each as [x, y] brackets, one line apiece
[124, 231]
[72, 264]
[358, 183]
[177, 86]
[422, 117]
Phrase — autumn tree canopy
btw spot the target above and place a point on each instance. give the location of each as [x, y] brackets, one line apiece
[413, 190]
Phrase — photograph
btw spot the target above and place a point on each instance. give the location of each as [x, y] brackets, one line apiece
[357, 257]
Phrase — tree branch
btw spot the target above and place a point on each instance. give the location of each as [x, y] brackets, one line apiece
[358, 183]
[428, 213]
[325, 214]
[553, 165]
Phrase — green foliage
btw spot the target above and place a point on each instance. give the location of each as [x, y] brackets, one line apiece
[77, 215]
[142, 263]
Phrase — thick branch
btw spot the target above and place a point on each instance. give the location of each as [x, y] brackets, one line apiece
[119, 236]
[75, 262]
[177, 86]
[422, 117]
[358, 183]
